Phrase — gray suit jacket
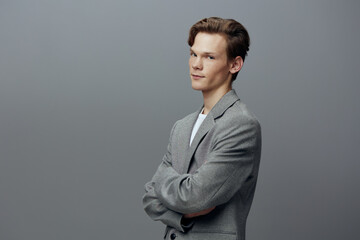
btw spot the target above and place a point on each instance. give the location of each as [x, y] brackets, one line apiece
[219, 169]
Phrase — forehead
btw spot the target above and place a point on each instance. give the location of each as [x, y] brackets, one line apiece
[209, 42]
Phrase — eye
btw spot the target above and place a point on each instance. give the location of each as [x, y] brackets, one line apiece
[193, 54]
[211, 57]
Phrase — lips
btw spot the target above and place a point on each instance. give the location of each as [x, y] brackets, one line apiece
[196, 77]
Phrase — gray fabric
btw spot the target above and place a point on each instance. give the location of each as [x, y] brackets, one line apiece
[219, 169]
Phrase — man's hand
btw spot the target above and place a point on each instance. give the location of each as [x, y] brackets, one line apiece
[203, 212]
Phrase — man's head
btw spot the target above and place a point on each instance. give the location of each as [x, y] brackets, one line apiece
[235, 34]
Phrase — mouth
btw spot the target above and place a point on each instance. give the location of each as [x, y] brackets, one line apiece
[196, 77]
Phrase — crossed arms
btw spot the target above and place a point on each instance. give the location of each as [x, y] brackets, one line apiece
[170, 196]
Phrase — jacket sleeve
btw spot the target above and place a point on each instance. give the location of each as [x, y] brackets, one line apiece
[154, 208]
[231, 164]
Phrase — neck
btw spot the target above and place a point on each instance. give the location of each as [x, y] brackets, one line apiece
[212, 97]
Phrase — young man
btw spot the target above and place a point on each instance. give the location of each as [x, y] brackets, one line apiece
[204, 186]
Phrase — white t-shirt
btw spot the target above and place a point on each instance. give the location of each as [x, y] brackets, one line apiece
[198, 123]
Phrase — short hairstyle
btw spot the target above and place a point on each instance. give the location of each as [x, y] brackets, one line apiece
[237, 37]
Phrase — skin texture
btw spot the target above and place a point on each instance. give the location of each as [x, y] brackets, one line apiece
[211, 72]
[204, 212]
[210, 68]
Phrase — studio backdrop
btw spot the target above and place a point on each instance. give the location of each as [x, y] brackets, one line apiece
[89, 91]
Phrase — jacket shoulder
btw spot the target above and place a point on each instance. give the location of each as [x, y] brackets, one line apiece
[188, 118]
[238, 114]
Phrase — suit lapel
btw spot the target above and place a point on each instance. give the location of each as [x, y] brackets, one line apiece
[184, 135]
[224, 103]
[206, 125]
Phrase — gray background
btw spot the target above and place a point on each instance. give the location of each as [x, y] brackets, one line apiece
[89, 91]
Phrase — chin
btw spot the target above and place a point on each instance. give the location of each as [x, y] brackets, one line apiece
[197, 87]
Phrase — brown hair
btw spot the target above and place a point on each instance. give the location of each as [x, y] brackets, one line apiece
[236, 35]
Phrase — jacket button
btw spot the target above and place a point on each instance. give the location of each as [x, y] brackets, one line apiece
[173, 236]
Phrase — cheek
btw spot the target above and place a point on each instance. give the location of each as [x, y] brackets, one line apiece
[216, 68]
[223, 68]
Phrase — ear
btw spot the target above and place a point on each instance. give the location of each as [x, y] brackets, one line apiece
[236, 65]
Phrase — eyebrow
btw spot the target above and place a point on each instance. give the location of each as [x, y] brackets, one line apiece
[205, 53]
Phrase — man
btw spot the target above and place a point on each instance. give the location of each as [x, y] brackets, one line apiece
[204, 186]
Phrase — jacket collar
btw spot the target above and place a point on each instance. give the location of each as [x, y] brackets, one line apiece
[217, 111]
[224, 103]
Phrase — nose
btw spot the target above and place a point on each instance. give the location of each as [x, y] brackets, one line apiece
[196, 63]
